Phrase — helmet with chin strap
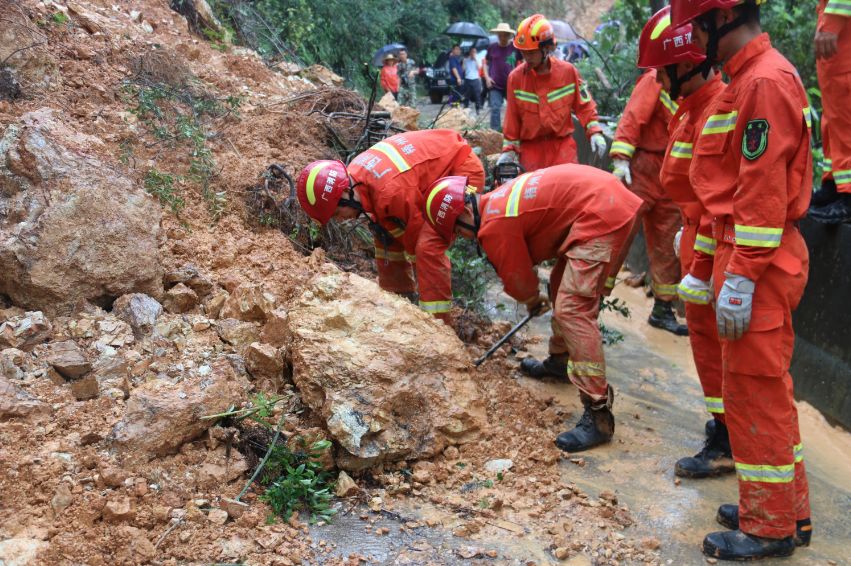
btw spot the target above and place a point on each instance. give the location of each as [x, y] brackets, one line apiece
[535, 32]
[662, 46]
[447, 198]
[320, 188]
[685, 11]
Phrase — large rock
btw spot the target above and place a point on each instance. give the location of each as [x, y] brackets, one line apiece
[15, 402]
[25, 332]
[72, 227]
[68, 359]
[139, 311]
[458, 119]
[389, 381]
[249, 302]
[161, 415]
[21, 551]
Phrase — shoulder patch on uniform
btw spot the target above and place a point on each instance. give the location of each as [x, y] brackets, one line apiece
[755, 139]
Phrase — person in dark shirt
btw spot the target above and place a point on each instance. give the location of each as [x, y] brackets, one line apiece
[456, 74]
[501, 59]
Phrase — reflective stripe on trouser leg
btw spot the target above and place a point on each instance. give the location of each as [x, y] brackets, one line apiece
[434, 273]
[759, 405]
[836, 123]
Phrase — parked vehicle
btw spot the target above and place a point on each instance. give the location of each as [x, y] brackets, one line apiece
[437, 78]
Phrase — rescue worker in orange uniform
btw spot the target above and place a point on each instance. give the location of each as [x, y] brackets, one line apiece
[680, 67]
[637, 152]
[541, 96]
[832, 204]
[578, 215]
[751, 169]
[387, 183]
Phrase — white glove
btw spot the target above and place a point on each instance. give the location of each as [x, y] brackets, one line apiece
[507, 157]
[694, 290]
[733, 311]
[622, 170]
[677, 237]
[598, 145]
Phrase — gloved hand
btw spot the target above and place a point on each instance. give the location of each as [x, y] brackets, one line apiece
[733, 311]
[677, 238]
[622, 170]
[507, 157]
[694, 290]
[539, 306]
[598, 145]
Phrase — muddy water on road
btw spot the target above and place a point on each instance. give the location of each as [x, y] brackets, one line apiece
[660, 418]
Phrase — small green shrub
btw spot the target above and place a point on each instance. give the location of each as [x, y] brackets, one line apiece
[162, 186]
[470, 276]
[295, 480]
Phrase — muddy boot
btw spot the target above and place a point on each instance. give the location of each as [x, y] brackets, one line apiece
[663, 317]
[709, 427]
[596, 426]
[715, 459]
[411, 296]
[736, 545]
[728, 516]
[837, 212]
[554, 366]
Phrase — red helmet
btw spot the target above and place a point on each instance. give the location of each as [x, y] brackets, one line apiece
[661, 44]
[320, 187]
[684, 11]
[534, 32]
[445, 203]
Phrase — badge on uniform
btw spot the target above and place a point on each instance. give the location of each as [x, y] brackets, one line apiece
[755, 139]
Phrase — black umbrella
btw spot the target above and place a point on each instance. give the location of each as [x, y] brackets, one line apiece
[564, 31]
[466, 29]
[378, 58]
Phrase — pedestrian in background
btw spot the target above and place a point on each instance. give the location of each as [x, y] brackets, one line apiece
[472, 82]
[389, 75]
[456, 74]
[406, 69]
[500, 60]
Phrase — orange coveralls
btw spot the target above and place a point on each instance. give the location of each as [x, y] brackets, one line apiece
[703, 331]
[752, 170]
[582, 217]
[641, 138]
[390, 78]
[834, 79]
[538, 114]
[391, 179]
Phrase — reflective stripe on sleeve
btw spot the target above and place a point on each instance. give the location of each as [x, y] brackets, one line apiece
[692, 296]
[842, 177]
[393, 155]
[512, 207]
[592, 124]
[558, 93]
[808, 117]
[827, 165]
[526, 96]
[705, 244]
[682, 150]
[397, 232]
[799, 453]
[436, 307]
[758, 236]
[765, 473]
[610, 282]
[622, 148]
[838, 7]
[720, 123]
[714, 405]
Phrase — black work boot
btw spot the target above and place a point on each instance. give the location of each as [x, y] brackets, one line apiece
[555, 365]
[663, 317]
[836, 212]
[596, 426]
[736, 545]
[715, 459]
[728, 516]
[709, 427]
[824, 196]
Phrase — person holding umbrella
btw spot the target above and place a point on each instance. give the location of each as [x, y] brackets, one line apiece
[390, 75]
[542, 95]
[501, 59]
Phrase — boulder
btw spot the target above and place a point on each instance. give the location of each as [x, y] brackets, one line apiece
[249, 302]
[276, 329]
[457, 119]
[161, 415]
[85, 388]
[415, 390]
[180, 299]
[25, 332]
[237, 333]
[406, 117]
[190, 276]
[139, 311]
[13, 363]
[74, 228]
[15, 402]
[489, 140]
[265, 364]
[68, 359]
[215, 303]
[322, 76]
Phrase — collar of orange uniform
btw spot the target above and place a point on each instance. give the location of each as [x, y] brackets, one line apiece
[701, 96]
[758, 45]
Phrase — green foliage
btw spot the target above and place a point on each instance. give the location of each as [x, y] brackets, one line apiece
[162, 186]
[469, 275]
[792, 25]
[610, 335]
[59, 18]
[180, 118]
[295, 480]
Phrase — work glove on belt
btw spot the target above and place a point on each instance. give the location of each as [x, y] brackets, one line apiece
[622, 170]
[733, 311]
[677, 238]
[694, 290]
[598, 145]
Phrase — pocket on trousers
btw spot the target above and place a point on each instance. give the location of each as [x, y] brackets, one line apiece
[761, 351]
[591, 251]
[583, 277]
